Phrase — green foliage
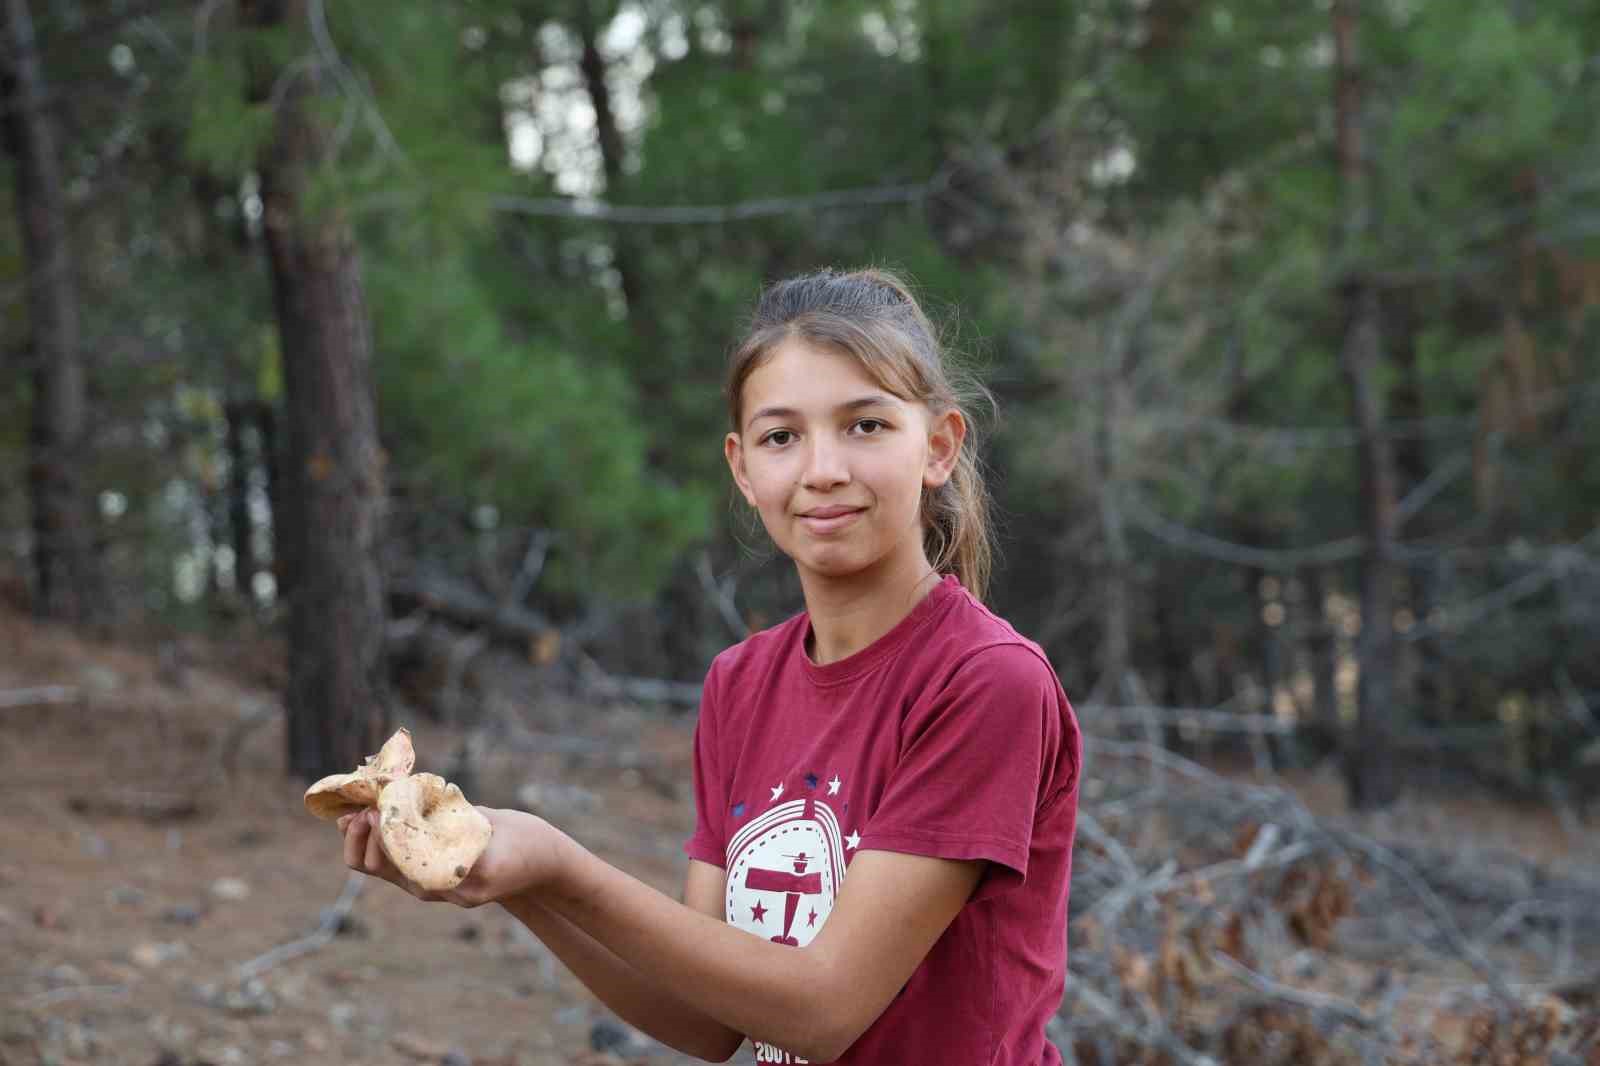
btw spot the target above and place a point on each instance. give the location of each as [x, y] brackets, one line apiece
[568, 371]
[549, 437]
[226, 128]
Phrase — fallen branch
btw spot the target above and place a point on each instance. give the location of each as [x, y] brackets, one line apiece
[1300, 997]
[1157, 1034]
[69, 993]
[1464, 949]
[459, 602]
[325, 931]
[640, 689]
[148, 804]
[721, 596]
[1187, 719]
[38, 696]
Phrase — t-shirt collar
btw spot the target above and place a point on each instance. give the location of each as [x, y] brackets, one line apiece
[880, 650]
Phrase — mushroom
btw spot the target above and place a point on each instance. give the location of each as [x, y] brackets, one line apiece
[340, 794]
[432, 834]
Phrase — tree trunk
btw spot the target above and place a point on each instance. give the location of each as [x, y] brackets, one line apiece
[651, 371]
[1369, 770]
[333, 467]
[62, 518]
[609, 136]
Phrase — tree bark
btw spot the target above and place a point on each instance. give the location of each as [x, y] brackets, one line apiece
[624, 251]
[333, 469]
[64, 559]
[1369, 770]
[652, 371]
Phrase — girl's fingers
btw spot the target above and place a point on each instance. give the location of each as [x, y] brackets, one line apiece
[375, 858]
[363, 852]
[355, 842]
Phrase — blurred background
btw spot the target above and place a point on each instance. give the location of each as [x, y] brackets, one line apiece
[367, 357]
[1291, 317]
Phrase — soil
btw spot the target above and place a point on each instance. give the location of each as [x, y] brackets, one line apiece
[138, 877]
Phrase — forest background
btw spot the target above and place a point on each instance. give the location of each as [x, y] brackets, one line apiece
[392, 335]
[1290, 316]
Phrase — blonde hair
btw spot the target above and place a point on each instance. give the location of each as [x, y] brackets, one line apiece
[872, 316]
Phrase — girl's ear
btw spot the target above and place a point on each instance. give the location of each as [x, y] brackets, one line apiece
[733, 452]
[946, 431]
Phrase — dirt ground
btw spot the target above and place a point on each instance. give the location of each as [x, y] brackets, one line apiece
[137, 875]
[136, 878]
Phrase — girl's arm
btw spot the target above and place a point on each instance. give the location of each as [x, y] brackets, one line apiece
[814, 1001]
[521, 845]
[647, 1005]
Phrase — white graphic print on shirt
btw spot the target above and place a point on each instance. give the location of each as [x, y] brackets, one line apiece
[784, 870]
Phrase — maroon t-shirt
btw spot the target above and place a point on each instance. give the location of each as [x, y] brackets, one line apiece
[949, 736]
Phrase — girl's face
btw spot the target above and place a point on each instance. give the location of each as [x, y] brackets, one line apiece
[835, 464]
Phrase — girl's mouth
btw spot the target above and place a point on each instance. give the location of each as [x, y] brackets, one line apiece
[829, 519]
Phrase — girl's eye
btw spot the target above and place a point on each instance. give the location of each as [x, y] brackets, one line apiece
[870, 426]
[778, 437]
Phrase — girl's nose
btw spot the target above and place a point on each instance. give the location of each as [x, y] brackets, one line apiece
[825, 465]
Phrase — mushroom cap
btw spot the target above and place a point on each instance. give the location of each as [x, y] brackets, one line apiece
[395, 758]
[340, 794]
[432, 834]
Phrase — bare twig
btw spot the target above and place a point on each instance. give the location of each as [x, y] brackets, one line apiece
[40, 1000]
[721, 596]
[690, 214]
[317, 18]
[1316, 1001]
[325, 931]
[528, 573]
[1188, 719]
[37, 696]
[1156, 1034]
[642, 689]
[1469, 952]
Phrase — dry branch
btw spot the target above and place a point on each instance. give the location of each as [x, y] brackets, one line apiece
[1216, 919]
[37, 696]
[40, 1000]
[326, 930]
[1187, 719]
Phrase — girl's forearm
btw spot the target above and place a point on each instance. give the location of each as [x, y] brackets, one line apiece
[648, 1006]
[770, 992]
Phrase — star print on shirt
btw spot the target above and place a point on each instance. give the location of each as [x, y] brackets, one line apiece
[811, 780]
[777, 790]
[813, 920]
[852, 840]
[833, 786]
[759, 913]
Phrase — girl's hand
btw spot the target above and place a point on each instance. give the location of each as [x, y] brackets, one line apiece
[523, 854]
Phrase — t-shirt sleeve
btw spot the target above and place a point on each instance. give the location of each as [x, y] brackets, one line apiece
[978, 760]
[706, 843]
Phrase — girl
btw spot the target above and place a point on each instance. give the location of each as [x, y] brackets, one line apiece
[896, 730]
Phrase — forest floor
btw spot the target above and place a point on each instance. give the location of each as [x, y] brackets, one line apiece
[143, 866]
